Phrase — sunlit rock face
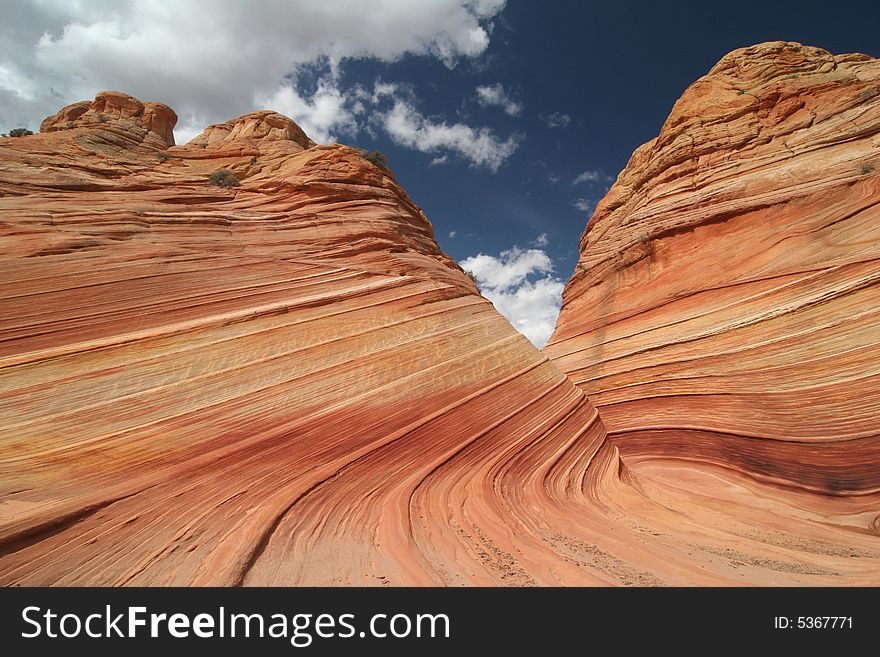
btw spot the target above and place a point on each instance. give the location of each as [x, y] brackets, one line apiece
[287, 382]
[725, 312]
[280, 382]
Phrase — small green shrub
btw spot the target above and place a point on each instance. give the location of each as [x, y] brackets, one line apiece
[102, 118]
[164, 157]
[867, 168]
[376, 157]
[644, 238]
[18, 132]
[471, 275]
[223, 178]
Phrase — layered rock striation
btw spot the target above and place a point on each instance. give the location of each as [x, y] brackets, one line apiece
[280, 382]
[288, 382]
[725, 310]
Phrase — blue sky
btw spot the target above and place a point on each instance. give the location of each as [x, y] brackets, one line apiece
[505, 122]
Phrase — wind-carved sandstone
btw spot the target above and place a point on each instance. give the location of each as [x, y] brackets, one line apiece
[288, 382]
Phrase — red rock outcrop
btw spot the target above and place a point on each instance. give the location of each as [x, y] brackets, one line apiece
[287, 382]
[281, 382]
[124, 113]
[725, 311]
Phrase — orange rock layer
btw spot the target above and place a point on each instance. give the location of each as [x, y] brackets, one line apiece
[725, 311]
[277, 383]
[287, 382]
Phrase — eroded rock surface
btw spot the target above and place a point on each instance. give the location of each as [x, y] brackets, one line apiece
[283, 382]
[288, 382]
[725, 312]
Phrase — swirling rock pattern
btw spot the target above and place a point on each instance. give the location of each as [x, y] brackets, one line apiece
[280, 382]
[287, 382]
[725, 310]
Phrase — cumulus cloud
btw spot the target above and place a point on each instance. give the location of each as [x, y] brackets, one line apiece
[480, 146]
[520, 284]
[589, 176]
[320, 116]
[186, 129]
[541, 240]
[584, 204]
[496, 96]
[555, 119]
[214, 65]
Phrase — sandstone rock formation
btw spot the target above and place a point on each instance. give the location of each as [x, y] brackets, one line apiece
[725, 311]
[282, 382]
[287, 382]
[126, 115]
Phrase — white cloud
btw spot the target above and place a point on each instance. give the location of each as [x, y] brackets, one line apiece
[531, 306]
[215, 64]
[584, 204]
[541, 240]
[11, 80]
[552, 178]
[186, 129]
[589, 177]
[407, 127]
[496, 96]
[452, 234]
[437, 161]
[320, 115]
[555, 119]
[380, 91]
[509, 269]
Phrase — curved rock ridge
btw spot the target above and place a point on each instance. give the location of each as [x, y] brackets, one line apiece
[284, 382]
[725, 309]
[288, 382]
[250, 130]
[116, 108]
